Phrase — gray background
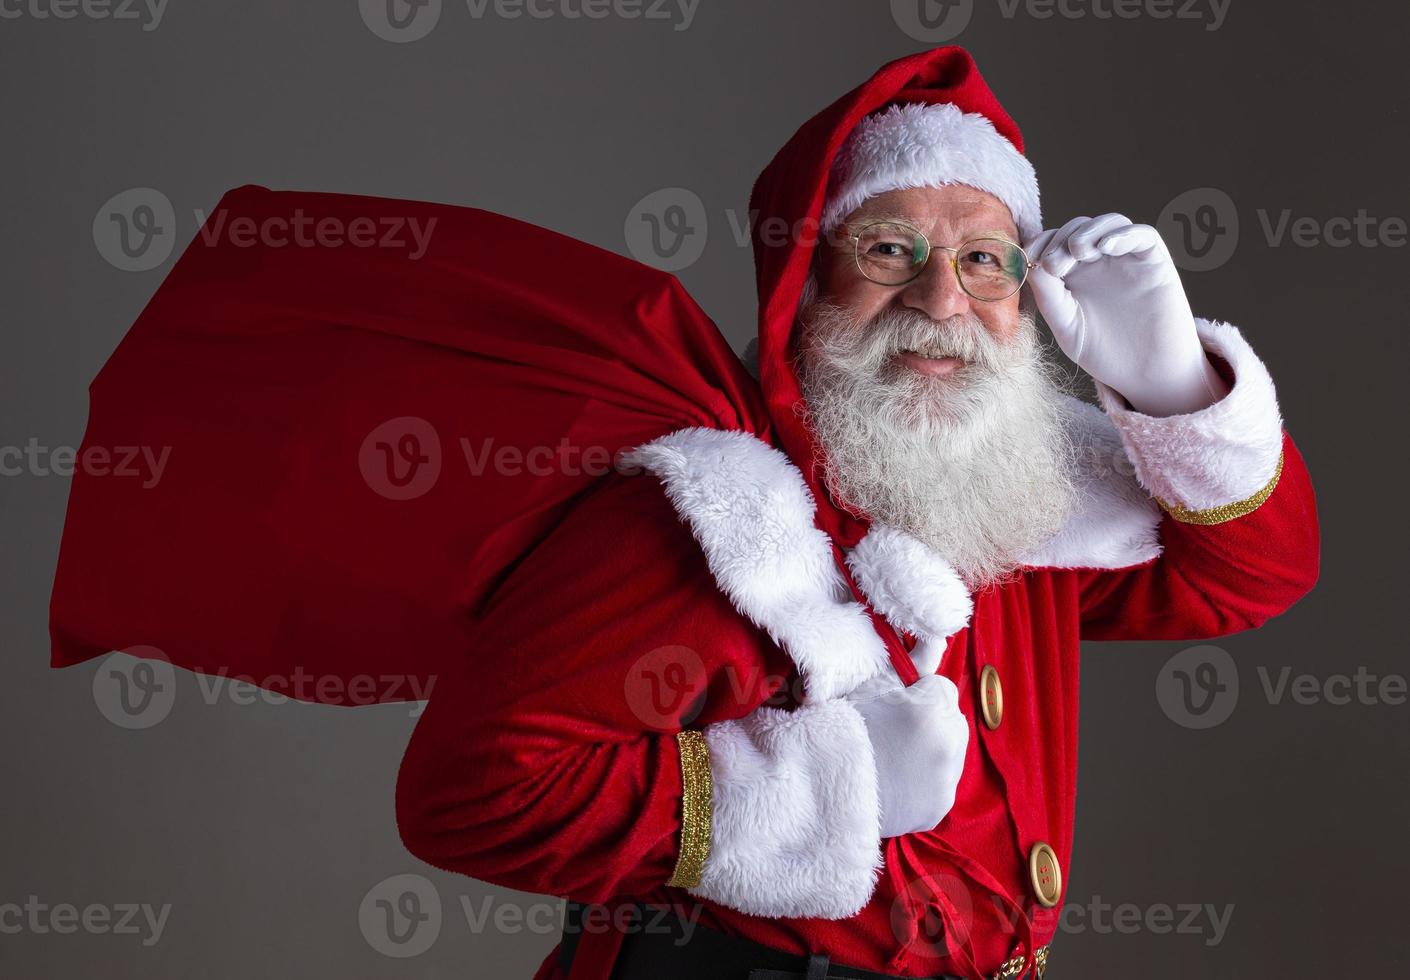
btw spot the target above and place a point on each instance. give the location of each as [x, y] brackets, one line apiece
[265, 826]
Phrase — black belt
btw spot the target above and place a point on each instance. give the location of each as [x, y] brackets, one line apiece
[659, 946]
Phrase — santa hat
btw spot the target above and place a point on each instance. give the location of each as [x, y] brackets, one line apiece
[922, 144]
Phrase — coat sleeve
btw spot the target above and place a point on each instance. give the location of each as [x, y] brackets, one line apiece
[1238, 534]
[549, 757]
[618, 727]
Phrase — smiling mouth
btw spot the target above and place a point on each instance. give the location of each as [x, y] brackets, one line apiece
[930, 362]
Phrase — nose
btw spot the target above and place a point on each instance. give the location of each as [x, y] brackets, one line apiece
[936, 291]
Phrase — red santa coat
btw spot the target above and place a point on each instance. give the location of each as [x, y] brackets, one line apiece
[702, 595]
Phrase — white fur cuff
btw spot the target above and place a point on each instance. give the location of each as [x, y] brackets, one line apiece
[1220, 455]
[796, 825]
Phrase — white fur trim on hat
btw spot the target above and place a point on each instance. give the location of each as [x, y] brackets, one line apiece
[924, 145]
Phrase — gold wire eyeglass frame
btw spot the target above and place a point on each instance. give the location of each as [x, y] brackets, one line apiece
[1028, 264]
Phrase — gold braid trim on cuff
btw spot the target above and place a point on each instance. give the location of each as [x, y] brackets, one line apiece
[1224, 512]
[695, 810]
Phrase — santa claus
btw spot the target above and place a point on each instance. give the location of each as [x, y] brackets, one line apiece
[818, 690]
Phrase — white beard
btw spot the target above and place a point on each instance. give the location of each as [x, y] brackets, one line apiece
[977, 465]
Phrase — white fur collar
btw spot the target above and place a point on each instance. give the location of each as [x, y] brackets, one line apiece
[752, 513]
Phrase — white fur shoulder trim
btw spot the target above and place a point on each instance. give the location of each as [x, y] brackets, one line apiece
[796, 823]
[752, 513]
[1218, 455]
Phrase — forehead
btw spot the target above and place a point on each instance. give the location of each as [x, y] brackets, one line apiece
[940, 211]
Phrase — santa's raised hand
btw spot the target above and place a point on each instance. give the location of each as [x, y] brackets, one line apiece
[1110, 292]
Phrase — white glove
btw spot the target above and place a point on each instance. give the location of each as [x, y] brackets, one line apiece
[919, 737]
[1110, 292]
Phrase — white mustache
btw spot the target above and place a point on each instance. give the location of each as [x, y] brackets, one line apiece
[891, 332]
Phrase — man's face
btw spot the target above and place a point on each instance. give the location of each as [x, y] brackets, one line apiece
[939, 414]
[948, 216]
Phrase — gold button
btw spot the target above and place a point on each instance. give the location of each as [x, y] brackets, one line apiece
[1044, 875]
[991, 697]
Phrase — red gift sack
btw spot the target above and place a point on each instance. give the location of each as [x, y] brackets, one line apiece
[345, 419]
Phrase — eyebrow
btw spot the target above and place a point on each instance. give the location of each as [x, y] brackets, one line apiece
[864, 217]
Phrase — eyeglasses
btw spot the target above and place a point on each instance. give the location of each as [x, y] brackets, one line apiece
[893, 253]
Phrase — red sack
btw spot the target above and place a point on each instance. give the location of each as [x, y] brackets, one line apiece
[347, 444]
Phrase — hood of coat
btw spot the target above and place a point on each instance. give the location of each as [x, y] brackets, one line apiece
[790, 195]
